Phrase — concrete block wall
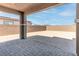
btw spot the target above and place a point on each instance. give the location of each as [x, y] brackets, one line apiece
[15, 29]
[36, 28]
[70, 28]
[9, 29]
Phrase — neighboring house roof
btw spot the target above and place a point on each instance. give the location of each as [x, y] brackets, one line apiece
[8, 18]
[13, 19]
[29, 22]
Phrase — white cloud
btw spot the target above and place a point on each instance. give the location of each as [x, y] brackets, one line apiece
[37, 16]
[50, 11]
[66, 13]
[43, 13]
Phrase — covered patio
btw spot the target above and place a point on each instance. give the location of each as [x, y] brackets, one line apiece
[47, 43]
[41, 43]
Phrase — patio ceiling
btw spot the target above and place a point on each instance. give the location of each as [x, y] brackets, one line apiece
[17, 6]
[27, 7]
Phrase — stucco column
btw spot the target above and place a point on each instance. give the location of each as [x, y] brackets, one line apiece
[22, 26]
[77, 29]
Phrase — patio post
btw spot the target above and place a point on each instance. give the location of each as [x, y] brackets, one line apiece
[77, 30]
[22, 26]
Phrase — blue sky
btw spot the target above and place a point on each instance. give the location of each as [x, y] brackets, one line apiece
[61, 15]
[9, 15]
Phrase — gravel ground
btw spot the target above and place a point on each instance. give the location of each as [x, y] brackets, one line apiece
[38, 46]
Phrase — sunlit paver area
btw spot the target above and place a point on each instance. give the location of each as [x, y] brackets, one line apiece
[62, 34]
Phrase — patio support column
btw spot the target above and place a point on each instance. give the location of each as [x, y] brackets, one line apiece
[22, 26]
[77, 29]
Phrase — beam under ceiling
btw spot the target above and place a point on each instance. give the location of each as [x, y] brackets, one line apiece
[9, 10]
[28, 8]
